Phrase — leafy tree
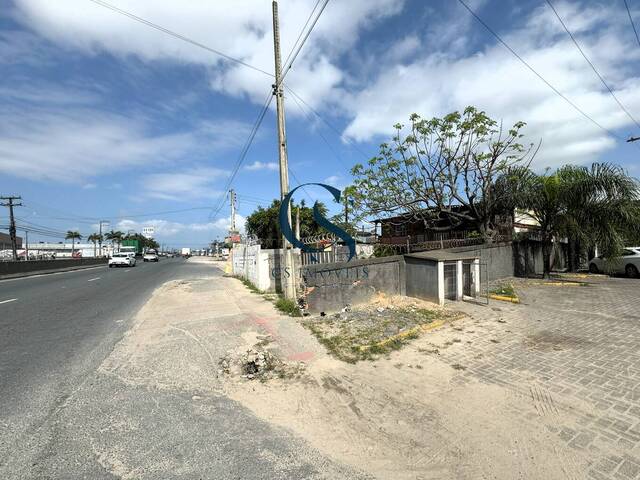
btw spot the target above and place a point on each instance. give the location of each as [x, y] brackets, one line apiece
[115, 237]
[263, 223]
[95, 238]
[590, 206]
[73, 236]
[144, 242]
[442, 171]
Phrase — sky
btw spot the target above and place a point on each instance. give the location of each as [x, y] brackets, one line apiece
[105, 118]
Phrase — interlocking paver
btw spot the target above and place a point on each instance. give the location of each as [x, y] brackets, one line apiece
[566, 346]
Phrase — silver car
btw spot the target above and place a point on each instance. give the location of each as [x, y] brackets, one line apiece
[628, 263]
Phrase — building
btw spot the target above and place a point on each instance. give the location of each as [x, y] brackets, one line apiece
[5, 241]
[64, 250]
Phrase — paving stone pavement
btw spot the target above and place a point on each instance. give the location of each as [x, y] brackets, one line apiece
[574, 351]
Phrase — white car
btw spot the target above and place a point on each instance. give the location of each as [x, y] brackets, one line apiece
[122, 260]
[150, 256]
[628, 263]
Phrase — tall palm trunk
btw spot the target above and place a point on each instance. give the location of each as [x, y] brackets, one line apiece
[73, 247]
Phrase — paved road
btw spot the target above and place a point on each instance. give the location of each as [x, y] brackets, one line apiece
[61, 418]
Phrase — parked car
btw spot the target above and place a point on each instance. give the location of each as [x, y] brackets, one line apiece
[150, 256]
[122, 260]
[628, 263]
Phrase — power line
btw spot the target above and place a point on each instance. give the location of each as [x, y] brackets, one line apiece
[591, 64]
[328, 124]
[178, 35]
[524, 62]
[263, 112]
[633, 25]
[295, 55]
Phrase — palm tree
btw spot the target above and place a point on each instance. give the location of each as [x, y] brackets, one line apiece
[114, 237]
[590, 206]
[73, 235]
[95, 238]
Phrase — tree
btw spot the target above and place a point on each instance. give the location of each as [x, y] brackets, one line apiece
[589, 206]
[95, 238]
[442, 171]
[144, 242]
[115, 237]
[73, 236]
[263, 223]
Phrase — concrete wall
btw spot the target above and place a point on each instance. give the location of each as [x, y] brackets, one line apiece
[422, 278]
[527, 256]
[10, 268]
[332, 286]
[263, 268]
[498, 259]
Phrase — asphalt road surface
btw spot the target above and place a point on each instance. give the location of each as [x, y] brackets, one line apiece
[57, 413]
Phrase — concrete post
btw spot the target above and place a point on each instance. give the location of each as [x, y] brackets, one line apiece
[459, 283]
[476, 277]
[441, 283]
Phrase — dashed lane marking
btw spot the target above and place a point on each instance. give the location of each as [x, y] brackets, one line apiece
[93, 279]
[7, 301]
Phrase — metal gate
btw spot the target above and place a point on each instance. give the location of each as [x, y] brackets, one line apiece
[450, 274]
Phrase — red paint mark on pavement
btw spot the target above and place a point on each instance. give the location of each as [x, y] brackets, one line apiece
[301, 356]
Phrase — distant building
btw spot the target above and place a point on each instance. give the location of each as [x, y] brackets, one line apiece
[5, 241]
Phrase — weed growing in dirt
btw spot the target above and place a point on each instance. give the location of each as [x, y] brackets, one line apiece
[287, 306]
[369, 333]
[505, 291]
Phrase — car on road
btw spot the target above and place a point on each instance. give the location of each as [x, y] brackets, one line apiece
[628, 263]
[122, 260]
[150, 256]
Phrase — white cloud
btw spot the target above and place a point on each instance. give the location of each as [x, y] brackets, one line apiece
[257, 165]
[166, 228]
[495, 81]
[242, 31]
[51, 133]
[89, 186]
[183, 185]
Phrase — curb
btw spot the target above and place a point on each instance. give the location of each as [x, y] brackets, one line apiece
[504, 298]
[420, 328]
[14, 276]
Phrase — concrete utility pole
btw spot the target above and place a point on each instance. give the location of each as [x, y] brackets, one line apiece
[26, 244]
[298, 222]
[100, 240]
[278, 91]
[12, 223]
[232, 199]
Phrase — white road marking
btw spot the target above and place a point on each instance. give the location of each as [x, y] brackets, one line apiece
[93, 279]
[7, 301]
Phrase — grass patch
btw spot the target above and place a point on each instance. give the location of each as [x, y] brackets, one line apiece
[366, 335]
[248, 284]
[506, 290]
[288, 307]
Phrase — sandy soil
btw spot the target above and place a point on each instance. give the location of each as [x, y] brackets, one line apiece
[406, 416]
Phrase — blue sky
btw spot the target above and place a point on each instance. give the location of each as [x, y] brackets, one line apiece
[105, 118]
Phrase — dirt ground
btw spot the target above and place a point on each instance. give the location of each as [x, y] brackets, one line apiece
[406, 415]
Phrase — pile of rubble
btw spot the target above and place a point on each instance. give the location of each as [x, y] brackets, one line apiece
[258, 364]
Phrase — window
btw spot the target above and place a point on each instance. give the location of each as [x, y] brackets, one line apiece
[400, 230]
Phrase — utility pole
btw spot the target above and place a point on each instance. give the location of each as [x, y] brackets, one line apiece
[298, 223]
[346, 211]
[26, 244]
[100, 240]
[278, 91]
[232, 199]
[12, 223]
